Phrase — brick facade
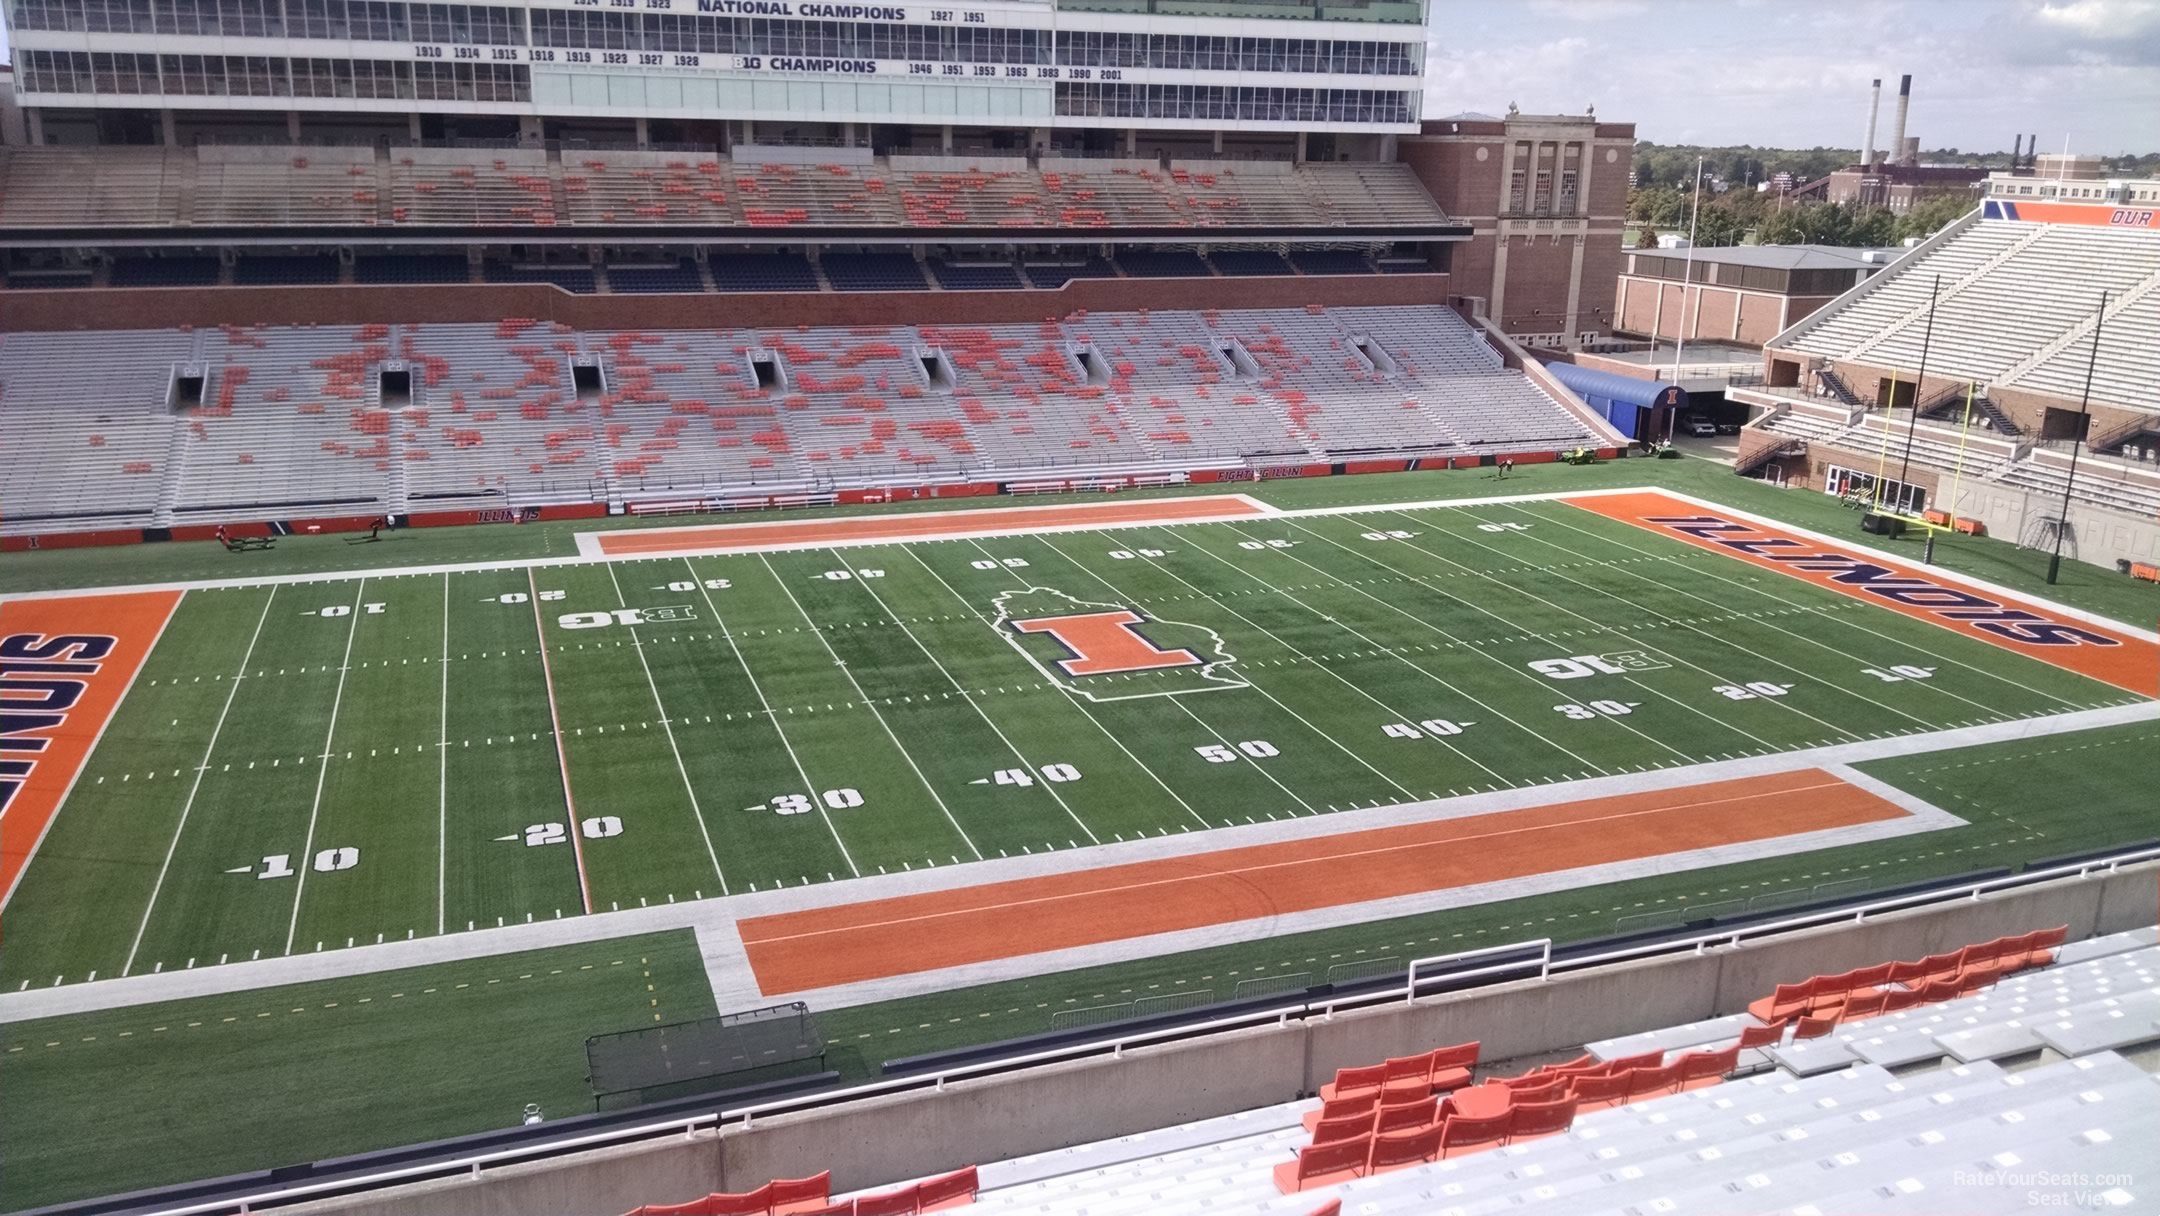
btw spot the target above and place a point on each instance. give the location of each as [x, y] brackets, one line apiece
[1545, 266]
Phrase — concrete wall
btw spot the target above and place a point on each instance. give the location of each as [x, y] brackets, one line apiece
[2099, 537]
[892, 1139]
[161, 308]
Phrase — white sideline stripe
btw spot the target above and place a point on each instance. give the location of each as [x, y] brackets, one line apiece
[442, 771]
[322, 773]
[545, 563]
[95, 740]
[734, 988]
[588, 543]
[239, 677]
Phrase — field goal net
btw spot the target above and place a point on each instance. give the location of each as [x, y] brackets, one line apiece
[734, 1049]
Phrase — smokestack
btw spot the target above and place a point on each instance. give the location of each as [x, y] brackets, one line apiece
[2032, 151]
[2017, 151]
[1897, 126]
[1867, 154]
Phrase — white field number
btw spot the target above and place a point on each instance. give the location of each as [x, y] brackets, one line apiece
[1126, 555]
[1751, 690]
[1058, 773]
[1503, 527]
[600, 827]
[335, 610]
[842, 799]
[1216, 753]
[710, 584]
[1437, 728]
[279, 865]
[519, 597]
[1391, 534]
[1265, 544]
[841, 576]
[1899, 673]
[1576, 667]
[997, 563]
[1595, 709]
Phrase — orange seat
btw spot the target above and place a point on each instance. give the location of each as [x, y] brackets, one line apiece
[904, 1202]
[1406, 1116]
[1941, 988]
[1785, 1002]
[1699, 1068]
[1332, 1207]
[1397, 1149]
[1340, 1108]
[1355, 1083]
[1451, 1066]
[1609, 1089]
[1813, 1028]
[1752, 1037]
[1872, 977]
[1864, 1005]
[749, 1203]
[1349, 1127]
[1529, 1120]
[1647, 1059]
[947, 1190]
[1460, 1133]
[1897, 1000]
[1406, 1077]
[1323, 1164]
[800, 1194]
[1647, 1082]
[2040, 946]
[1547, 1089]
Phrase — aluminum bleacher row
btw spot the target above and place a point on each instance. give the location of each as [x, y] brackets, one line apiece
[185, 426]
[2014, 309]
[2035, 1088]
[1884, 438]
[272, 186]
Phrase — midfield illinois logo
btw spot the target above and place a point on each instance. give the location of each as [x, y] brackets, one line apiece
[1110, 652]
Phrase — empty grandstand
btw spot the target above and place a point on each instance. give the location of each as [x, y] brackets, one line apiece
[2002, 311]
[274, 421]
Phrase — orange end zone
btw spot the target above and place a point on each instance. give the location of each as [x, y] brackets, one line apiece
[927, 525]
[64, 665]
[848, 943]
[2029, 627]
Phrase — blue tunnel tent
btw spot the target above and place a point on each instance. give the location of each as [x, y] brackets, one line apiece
[1639, 409]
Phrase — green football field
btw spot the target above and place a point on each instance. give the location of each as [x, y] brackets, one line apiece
[307, 766]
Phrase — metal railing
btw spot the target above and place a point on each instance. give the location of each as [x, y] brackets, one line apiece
[1479, 967]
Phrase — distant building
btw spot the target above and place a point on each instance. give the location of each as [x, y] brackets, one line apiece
[1898, 187]
[1740, 295]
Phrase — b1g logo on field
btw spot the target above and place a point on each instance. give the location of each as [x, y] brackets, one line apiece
[626, 616]
[1111, 652]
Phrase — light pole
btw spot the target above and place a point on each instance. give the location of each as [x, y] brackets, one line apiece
[1687, 274]
[2062, 522]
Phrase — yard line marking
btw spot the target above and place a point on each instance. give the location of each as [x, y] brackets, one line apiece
[1362, 762]
[1817, 611]
[1673, 655]
[322, 773]
[1636, 574]
[442, 770]
[1431, 675]
[1045, 784]
[809, 786]
[188, 805]
[868, 704]
[1084, 711]
[666, 725]
[562, 760]
[1479, 650]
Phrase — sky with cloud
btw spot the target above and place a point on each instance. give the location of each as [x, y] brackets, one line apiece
[1794, 73]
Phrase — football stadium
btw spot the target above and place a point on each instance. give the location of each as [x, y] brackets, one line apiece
[753, 607]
